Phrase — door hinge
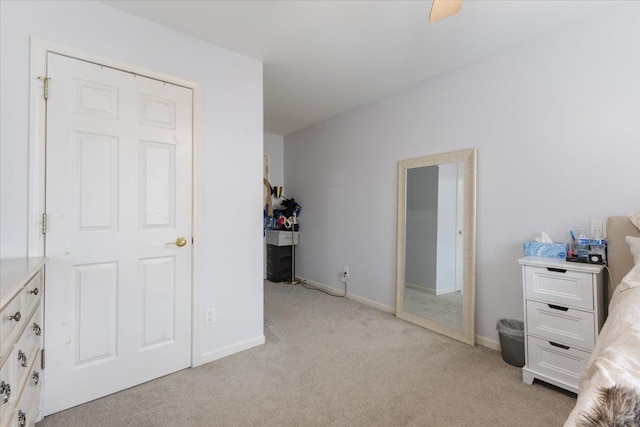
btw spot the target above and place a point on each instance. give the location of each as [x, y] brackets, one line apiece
[45, 88]
[44, 223]
[42, 359]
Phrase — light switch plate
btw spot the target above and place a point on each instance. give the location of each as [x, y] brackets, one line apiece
[598, 226]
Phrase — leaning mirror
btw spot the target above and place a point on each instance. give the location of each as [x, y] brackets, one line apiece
[436, 243]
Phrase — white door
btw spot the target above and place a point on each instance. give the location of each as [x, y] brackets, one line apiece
[118, 191]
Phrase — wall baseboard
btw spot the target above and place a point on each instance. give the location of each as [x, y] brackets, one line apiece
[484, 342]
[232, 349]
[338, 291]
[420, 287]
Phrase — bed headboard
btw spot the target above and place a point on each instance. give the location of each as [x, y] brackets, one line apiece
[619, 257]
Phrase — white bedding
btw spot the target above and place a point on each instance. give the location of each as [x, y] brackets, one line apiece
[616, 356]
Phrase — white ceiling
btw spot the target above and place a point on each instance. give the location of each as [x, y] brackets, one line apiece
[322, 58]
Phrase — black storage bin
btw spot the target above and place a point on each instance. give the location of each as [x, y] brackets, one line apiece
[278, 263]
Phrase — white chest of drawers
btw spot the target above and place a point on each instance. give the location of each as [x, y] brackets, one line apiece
[564, 311]
[21, 329]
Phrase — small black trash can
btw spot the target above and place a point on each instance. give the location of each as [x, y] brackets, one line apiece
[511, 333]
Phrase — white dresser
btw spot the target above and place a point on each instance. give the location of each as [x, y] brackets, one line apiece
[564, 311]
[21, 329]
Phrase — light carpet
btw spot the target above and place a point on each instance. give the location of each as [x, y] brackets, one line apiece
[335, 362]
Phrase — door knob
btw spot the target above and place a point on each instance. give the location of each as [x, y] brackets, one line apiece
[180, 242]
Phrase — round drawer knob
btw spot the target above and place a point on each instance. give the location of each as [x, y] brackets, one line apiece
[22, 358]
[5, 391]
[35, 377]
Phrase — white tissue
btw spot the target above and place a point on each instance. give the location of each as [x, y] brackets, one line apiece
[544, 238]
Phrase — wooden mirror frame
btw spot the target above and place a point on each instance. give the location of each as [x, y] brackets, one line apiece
[468, 157]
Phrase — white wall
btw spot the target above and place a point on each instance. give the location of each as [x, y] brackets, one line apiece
[556, 124]
[274, 147]
[229, 273]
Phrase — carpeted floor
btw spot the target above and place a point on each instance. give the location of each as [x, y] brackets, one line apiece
[334, 362]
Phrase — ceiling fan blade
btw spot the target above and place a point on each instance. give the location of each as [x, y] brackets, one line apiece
[443, 8]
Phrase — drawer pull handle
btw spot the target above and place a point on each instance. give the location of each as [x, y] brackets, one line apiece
[22, 358]
[35, 377]
[22, 419]
[37, 329]
[558, 307]
[557, 270]
[16, 316]
[555, 344]
[5, 391]
[34, 291]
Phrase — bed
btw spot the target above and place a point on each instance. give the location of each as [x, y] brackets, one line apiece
[609, 390]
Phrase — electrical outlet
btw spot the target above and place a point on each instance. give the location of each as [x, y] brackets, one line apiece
[344, 275]
[598, 227]
[210, 318]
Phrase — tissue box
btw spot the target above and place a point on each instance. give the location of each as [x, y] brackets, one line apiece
[548, 250]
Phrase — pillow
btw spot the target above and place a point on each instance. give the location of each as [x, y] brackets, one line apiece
[635, 219]
[634, 246]
[631, 280]
[615, 406]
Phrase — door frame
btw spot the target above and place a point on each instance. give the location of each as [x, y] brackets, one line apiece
[40, 48]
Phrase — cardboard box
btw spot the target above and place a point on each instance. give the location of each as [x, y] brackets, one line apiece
[547, 250]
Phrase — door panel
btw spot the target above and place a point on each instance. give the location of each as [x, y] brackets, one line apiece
[158, 287]
[118, 300]
[96, 312]
[95, 170]
[157, 184]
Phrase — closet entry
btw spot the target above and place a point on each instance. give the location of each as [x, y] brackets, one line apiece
[118, 203]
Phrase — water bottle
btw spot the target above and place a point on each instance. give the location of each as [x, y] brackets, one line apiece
[582, 245]
[598, 245]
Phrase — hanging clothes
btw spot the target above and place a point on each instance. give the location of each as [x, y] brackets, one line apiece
[267, 198]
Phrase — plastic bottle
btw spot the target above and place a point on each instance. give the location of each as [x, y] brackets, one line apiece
[582, 244]
[598, 245]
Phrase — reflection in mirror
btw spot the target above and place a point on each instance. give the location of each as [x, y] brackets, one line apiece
[436, 243]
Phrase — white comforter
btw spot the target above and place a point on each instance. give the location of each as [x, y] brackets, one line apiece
[616, 356]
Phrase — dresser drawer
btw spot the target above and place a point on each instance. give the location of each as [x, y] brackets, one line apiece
[558, 286]
[7, 391]
[29, 403]
[21, 331]
[561, 363]
[26, 349]
[32, 293]
[565, 325]
[23, 418]
[11, 318]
